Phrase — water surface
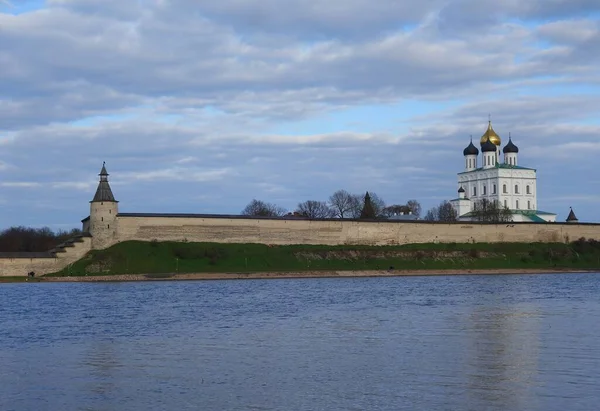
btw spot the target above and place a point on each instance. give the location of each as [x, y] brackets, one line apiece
[518, 342]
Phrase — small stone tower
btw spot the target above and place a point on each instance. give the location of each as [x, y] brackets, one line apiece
[103, 214]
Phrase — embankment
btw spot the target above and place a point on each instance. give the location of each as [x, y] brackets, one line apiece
[296, 274]
[156, 258]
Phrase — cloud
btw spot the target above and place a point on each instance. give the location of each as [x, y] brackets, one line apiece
[218, 102]
[20, 184]
[176, 174]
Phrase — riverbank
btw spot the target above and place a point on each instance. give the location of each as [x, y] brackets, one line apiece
[287, 275]
[252, 260]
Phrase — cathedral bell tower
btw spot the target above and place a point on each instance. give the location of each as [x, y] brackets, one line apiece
[103, 214]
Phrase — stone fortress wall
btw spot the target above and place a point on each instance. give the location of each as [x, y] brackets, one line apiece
[105, 226]
[19, 264]
[235, 229]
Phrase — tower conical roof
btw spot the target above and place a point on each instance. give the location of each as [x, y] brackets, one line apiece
[571, 217]
[103, 192]
[103, 172]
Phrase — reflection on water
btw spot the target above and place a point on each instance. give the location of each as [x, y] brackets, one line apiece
[504, 356]
[468, 343]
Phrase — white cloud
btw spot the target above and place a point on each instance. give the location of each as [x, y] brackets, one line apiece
[176, 174]
[20, 184]
[248, 99]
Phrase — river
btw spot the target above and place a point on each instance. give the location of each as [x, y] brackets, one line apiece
[493, 342]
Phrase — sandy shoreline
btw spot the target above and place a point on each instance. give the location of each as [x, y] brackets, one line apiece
[302, 274]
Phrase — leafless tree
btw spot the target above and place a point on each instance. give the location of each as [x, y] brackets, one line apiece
[415, 207]
[262, 209]
[378, 205]
[315, 209]
[443, 212]
[345, 205]
[487, 211]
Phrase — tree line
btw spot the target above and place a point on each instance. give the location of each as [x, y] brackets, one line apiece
[484, 211]
[24, 239]
[341, 204]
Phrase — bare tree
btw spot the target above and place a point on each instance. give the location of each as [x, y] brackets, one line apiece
[447, 212]
[358, 202]
[263, 209]
[315, 209]
[378, 205]
[443, 212]
[415, 207]
[487, 211]
[431, 214]
[345, 205]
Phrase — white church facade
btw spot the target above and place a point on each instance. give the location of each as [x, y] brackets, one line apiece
[498, 180]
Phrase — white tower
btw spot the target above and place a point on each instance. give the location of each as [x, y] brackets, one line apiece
[103, 214]
[470, 153]
[510, 153]
[462, 204]
[490, 154]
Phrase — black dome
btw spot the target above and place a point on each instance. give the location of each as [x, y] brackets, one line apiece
[461, 190]
[471, 150]
[488, 146]
[510, 147]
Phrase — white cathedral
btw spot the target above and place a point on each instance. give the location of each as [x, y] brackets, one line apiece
[507, 183]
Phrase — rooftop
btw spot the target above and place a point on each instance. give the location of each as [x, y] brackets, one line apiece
[499, 166]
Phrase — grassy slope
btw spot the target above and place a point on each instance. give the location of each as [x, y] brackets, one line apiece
[135, 257]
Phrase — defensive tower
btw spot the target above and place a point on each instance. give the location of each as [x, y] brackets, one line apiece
[103, 213]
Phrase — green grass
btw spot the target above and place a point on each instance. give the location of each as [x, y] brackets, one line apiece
[154, 258]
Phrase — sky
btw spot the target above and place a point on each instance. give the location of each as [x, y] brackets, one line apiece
[200, 106]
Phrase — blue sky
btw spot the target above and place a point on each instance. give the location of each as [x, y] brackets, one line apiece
[202, 105]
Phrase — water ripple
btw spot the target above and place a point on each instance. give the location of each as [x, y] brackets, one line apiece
[469, 343]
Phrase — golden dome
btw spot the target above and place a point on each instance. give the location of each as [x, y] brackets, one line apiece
[491, 135]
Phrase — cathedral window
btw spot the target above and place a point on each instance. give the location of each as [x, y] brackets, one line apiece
[484, 190]
[516, 190]
[529, 205]
[474, 191]
[528, 190]
[494, 189]
[517, 203]
[505, 203]
[504, 190]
